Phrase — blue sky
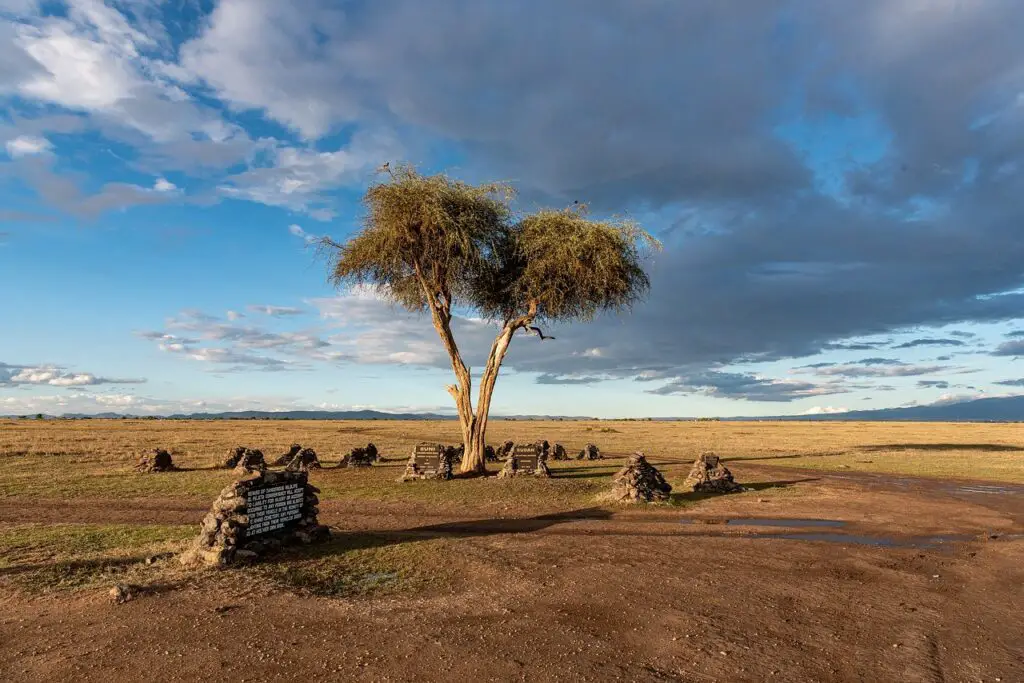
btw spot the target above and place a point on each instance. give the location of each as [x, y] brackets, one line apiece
[839, 196]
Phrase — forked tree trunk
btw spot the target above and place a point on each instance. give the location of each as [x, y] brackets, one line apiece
[474, 422]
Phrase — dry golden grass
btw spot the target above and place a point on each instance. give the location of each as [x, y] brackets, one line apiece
[79, 457]
[94, 459]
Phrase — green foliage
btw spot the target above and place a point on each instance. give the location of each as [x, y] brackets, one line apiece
[423, 232]
[460, 244]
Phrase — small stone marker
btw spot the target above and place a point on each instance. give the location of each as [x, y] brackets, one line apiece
[525, 460]
[428, 461]
[589, 452]
[158, 460]
[251, 461]
[455, 453]
[559, 452]
[639, 482]
[304, 461]
[358, 457]
[545, 450]
[234, 456]
[505, 449]
[489, 454]
[709, 475]
[287, 457]
[257, 514]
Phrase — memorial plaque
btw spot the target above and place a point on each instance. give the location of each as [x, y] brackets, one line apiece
[273, 507]
[428, 457]
[526, 457]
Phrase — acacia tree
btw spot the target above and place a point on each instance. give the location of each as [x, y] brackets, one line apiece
[433, 243]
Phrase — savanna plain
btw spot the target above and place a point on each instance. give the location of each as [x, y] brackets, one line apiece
[858, 552]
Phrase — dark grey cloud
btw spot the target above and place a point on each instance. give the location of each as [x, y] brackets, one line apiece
[745, 386]
[1011, 382]
[933, 384]
[1010, 348]
[879, 361]
[703, 119]
[895, 370]
[551, 378]
[914, 343]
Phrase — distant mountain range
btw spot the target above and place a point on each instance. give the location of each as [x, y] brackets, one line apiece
[996, 409]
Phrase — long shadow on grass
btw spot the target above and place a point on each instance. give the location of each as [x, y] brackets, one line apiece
[357, 540]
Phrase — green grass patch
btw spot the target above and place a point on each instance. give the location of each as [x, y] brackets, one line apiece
[354, 565]
[41, 558]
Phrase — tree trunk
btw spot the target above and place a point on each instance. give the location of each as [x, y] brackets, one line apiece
[473, 423]
[473, 461]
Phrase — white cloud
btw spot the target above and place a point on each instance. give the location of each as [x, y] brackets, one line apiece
[296, 178]
[27, 145]
[300, 233]
[53, 375]
[234, 315]
[276, 311]
[164, 185]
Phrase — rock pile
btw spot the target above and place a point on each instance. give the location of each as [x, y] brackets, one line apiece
[428, 461]
[512, 468]
[455, 453]
[709, 475]
[287, 457]
[504, 449]
[524, 461]
[251, 461]
[158, 460]
[371, 451]
[359, 457]
[489, 454]
[236, 529]
[639, 482]
[559, 452]
[304, 461]
[234, 456]
[544, 448]
[589, 452]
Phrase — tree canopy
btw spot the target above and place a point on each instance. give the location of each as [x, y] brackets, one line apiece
[431, 243]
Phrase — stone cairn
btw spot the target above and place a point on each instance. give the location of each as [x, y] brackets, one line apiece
[709, 475]
[233, 457]
[505, 449]
[489, 454]
[545, 450]
[559, 452]
[589, 452]
[286, 458]
[360, 457]
[455, 453]
[639, 482]
[304, 461]
[226, 537]
[157, 460]
[372, 451]
[522, 463]
[428, 461]
[251, 461]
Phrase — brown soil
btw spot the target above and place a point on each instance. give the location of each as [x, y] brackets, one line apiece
[598, 593]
